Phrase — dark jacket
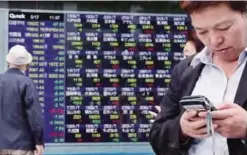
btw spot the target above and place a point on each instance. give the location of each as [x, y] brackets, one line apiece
[165, 135]
[21, 120]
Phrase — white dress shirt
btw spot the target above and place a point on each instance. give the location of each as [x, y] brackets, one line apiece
[214, 84]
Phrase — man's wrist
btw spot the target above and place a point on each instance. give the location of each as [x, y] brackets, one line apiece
[183, 138]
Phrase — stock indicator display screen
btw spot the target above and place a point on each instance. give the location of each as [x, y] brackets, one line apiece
[99, 74]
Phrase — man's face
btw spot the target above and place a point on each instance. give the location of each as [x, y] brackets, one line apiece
[222, 30]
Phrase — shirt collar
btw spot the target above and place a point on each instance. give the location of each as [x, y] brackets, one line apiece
[23, 71]
[16, 70]
[206, 57]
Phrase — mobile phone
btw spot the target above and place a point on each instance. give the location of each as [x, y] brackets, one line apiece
[198, 103]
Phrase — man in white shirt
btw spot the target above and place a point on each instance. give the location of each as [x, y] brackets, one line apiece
[219, 72]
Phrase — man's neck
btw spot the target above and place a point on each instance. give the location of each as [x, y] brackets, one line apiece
[23, 71]
[229, 67]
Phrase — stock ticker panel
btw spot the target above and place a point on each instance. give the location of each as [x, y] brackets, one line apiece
[98, 75]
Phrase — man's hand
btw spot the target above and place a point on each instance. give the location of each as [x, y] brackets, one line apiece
[154, 114]
[39, 150]
[231, 120]
[192, 125]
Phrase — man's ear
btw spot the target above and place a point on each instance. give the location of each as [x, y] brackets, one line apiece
[27, 66]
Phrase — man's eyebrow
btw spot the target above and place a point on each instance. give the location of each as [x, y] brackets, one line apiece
[198, 28]
[224, 22]
[217, 25]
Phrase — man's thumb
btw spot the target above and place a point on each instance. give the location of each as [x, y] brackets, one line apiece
[225, 106]
[190, 113]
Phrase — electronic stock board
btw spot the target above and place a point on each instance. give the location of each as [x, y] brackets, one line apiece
[98, 74]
